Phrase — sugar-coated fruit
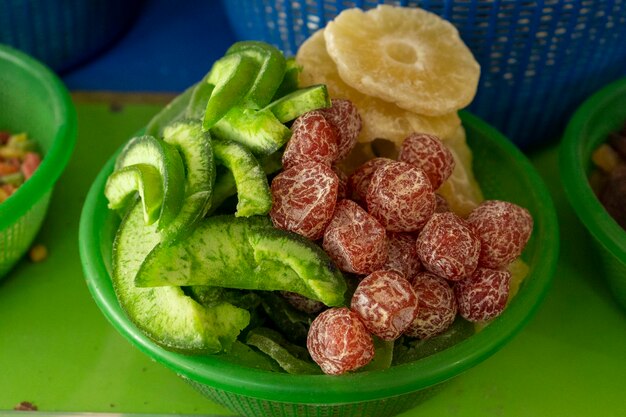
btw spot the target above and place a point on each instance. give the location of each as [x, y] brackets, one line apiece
[386, 303]
[303, 199]
[448, 247]
[437, 306]
[339, 342]
[354, 240]
[503, 229]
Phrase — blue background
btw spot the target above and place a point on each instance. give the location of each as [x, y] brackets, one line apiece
[171, 45]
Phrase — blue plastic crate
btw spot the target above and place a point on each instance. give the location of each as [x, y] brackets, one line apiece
[64, 33]
[539, 59]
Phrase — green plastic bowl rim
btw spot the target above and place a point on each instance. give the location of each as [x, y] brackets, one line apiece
[350, 388]
[55, 160]
[581, 196]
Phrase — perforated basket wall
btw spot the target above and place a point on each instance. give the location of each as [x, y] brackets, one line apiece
[255, 407]
[17, 238]
[63, 33]
[539, 59]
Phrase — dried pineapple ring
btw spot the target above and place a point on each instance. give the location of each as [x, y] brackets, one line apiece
[381, 119]
[406, 56]
[461, 190]
[388, 121]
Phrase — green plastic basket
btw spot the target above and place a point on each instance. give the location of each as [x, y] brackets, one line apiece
[602, 113]
[505, 174]
[32, 100]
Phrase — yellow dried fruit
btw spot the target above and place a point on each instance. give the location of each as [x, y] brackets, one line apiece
[461, 190]
[381, 119]
[519, 270]
[605, 158]
[406, 56]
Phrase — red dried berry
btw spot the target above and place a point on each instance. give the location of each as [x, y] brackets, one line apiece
[430, 154]
[402, 254]
[483, 295]
[359, 181]
[342, 192]
[400, 197]
[303, 199]
[345, 118]
[448, 247]
[441, 204]
[386, 303]
[503, 229]
[302, 303]
[339, 342]
[354, 240]
[313, 138]
[437, 306]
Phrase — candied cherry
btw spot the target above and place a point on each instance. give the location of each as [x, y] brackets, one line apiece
[503, 229]
[402, 254]
[303, 199]
[437, 306]
[430, 154]
[354, 240]
[400, 197]
[345, 118]
[483, 295]
[359, 180]
[448, 247]
[313, 138]
[339, 342]
[386, 303]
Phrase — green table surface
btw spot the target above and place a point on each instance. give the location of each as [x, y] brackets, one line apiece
[58, 351]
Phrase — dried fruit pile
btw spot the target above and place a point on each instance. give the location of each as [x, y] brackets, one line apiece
[358, 224]
[410, 225]
[417, 263]
[406, 70]
[18, 161]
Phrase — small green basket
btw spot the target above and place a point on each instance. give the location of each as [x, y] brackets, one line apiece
[504, 173]
[33, 100]
[604, 112]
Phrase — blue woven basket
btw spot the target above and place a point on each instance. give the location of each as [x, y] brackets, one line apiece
[539, 59]
[64, 33]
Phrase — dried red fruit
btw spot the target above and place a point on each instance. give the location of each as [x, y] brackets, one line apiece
[302, 303]
[448, 247]
[345, 118]
[339, 342]
[402, 254]
[400, 197]
[354, 240]
[359, 181]
[386, 303]
[313, 138]
[437, 306]
[503, 229]
[483, 295]
[342, 192]
[303, 199]
[430, 154]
